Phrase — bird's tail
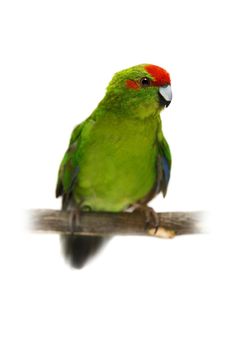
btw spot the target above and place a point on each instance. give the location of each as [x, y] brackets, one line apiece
[78, 249]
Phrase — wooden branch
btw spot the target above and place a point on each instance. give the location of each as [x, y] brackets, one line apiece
[106, 224]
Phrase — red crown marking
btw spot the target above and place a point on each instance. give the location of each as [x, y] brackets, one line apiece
[160, 75]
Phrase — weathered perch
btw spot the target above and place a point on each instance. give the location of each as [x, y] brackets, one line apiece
[103, 224]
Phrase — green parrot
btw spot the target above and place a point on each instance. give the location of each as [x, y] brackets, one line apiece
[118, 158]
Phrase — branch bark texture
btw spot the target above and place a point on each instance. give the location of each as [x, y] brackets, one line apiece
[109, 224]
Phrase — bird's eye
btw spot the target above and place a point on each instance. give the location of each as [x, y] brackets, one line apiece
[145, 81]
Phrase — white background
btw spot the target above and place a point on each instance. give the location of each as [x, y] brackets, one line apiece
[139, 293]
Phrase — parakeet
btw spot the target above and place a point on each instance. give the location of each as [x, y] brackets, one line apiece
[118, 158]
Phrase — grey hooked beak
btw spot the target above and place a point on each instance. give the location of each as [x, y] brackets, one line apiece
[165, 95]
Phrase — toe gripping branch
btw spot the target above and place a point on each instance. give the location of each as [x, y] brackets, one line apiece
[74, 221]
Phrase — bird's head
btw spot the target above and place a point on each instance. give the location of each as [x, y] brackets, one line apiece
[142, 90]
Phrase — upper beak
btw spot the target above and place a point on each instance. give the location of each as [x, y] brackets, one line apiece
[165, 94]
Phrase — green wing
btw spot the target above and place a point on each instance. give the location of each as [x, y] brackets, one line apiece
[163, 170]
[163, 167]
[69, 168]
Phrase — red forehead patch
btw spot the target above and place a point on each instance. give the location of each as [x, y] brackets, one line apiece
[160, 75]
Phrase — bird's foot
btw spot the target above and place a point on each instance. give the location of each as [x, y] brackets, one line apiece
[151, 217]
[74, 220]
[153, 223]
